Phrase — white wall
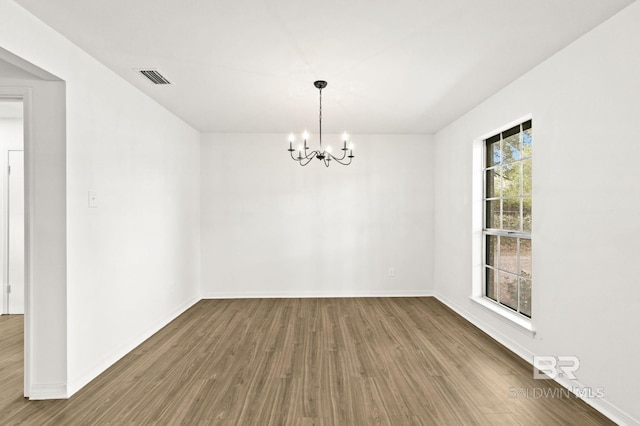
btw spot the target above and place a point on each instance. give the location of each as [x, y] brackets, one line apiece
[273, 228]
[132, 263]
[11, 137]
[586, 205]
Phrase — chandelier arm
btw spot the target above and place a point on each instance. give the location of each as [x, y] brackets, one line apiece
[309, 157]
[306, 157]
[312, 155]
[339, 161]
[344, 155]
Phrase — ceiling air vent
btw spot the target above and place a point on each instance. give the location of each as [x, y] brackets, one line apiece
[154, 76]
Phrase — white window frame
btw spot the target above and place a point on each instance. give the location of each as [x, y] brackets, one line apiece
[478, 243]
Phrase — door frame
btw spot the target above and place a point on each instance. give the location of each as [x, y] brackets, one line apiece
[24, 94]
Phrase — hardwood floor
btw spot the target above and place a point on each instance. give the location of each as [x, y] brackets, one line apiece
[387, 361]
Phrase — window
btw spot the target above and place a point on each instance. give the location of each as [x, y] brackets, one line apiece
[507, 218]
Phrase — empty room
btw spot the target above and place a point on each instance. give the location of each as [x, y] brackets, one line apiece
[267, 212]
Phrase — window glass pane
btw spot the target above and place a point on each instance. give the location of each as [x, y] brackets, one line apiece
[512, 131]
[511, 148]
[493, 183]
[508, 254]
[492, 251]
[511, 214]
[491, 280]
[508, 290]
[507, 198]
[526, 214]
[493, 151]
[526, 143]
[526, 177]
[525, 258]
[493, 214]
[511, 179]
[525, 297]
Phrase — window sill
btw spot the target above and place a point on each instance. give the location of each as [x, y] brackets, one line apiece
[506, 315]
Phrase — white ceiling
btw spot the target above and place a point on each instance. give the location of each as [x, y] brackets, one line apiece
[393, 66]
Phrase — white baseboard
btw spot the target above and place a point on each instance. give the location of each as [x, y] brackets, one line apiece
[601, 404]
[78, 383]
[311, 294]
[48, 391]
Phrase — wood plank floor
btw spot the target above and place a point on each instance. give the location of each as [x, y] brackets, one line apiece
[378, 361]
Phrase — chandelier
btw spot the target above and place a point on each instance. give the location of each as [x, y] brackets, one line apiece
[325, 155]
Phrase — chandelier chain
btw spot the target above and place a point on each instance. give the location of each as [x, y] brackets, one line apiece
[320, 118]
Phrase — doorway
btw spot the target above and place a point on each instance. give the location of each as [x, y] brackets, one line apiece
[12, 232]
[12, 265]
[15, 232]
